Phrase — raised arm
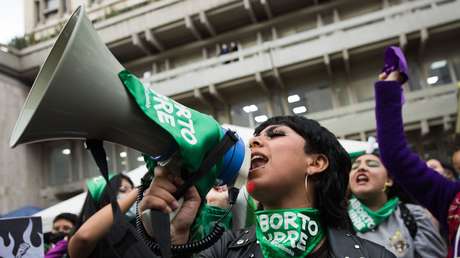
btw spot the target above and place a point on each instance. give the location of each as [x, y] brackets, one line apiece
[426, 185]
[84, 241]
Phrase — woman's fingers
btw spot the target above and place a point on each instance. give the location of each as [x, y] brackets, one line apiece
[161, 172]
[393, 76]
[159, 194]
[188, 211]
[192, 195]
[152, 202]
[165, 195]
[160, 182]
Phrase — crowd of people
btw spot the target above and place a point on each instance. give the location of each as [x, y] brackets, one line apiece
[305, 196]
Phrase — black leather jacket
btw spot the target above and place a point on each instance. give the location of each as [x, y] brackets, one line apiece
[341, 244]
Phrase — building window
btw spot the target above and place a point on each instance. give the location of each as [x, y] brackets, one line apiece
[456, 64]
[310, 100]
[438, 73]
[52, 5]
[415, 78]
[64, 165]
[64, 6]
[135, 159]
[122, 158]
[250, 114]
[319, 99]
[59, 163]
[37, 12]
[297, 103]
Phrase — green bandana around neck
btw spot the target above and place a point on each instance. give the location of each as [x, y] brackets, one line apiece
[194, 132]
[288, 232]
[365, 219]
[96, 186]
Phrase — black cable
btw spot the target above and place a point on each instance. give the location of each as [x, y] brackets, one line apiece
[209, 161]
[194, 246]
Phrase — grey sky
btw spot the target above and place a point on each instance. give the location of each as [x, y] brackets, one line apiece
[11, 19]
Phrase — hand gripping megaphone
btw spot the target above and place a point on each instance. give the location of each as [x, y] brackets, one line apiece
[81, 92]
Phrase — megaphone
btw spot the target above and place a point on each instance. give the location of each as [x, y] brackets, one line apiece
[78, 95]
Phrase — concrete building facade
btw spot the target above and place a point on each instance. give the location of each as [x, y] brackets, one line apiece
[243, 61]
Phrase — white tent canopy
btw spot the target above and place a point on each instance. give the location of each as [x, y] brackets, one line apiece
[74, 204]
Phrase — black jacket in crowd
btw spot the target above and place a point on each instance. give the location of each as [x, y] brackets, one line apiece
[243, 243]
[340, 243]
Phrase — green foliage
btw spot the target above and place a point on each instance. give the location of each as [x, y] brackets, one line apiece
[29, 39]
[22, 42]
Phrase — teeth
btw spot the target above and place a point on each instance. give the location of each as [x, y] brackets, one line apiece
[258, 161]
[362, 177]
[257, 157]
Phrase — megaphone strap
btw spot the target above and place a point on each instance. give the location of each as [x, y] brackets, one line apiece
[214, 155]
[97, 150]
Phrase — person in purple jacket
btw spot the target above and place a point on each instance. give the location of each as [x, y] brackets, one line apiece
[438, 194]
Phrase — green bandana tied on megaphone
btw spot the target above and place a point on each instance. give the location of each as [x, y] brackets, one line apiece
[194, 132]
[365, 219]
[288, 232]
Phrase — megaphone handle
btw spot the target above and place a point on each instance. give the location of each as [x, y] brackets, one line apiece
[161, 231]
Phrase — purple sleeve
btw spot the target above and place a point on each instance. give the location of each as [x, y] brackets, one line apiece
[59, 250]
[426, 185]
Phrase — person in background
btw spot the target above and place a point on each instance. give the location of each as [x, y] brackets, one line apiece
[88, 240]
[217, 202]
[64, 225]
[215, 208]
[432, 190]
[234, 48]
[456, 162]
[442, 168]
[98, 194]
[224, 49]
[449, 171]
[380, 212]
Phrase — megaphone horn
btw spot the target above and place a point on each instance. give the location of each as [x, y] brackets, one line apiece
[78, 94]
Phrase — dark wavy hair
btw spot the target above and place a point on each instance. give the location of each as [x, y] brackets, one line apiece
[331, 185]
[72, 218]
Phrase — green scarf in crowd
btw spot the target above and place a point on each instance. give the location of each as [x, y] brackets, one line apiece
[365, 219]
[288, 232]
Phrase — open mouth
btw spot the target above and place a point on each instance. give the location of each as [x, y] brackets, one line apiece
[258, 161]
[362, 179]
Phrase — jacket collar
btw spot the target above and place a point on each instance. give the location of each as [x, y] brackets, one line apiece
[340, 241]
